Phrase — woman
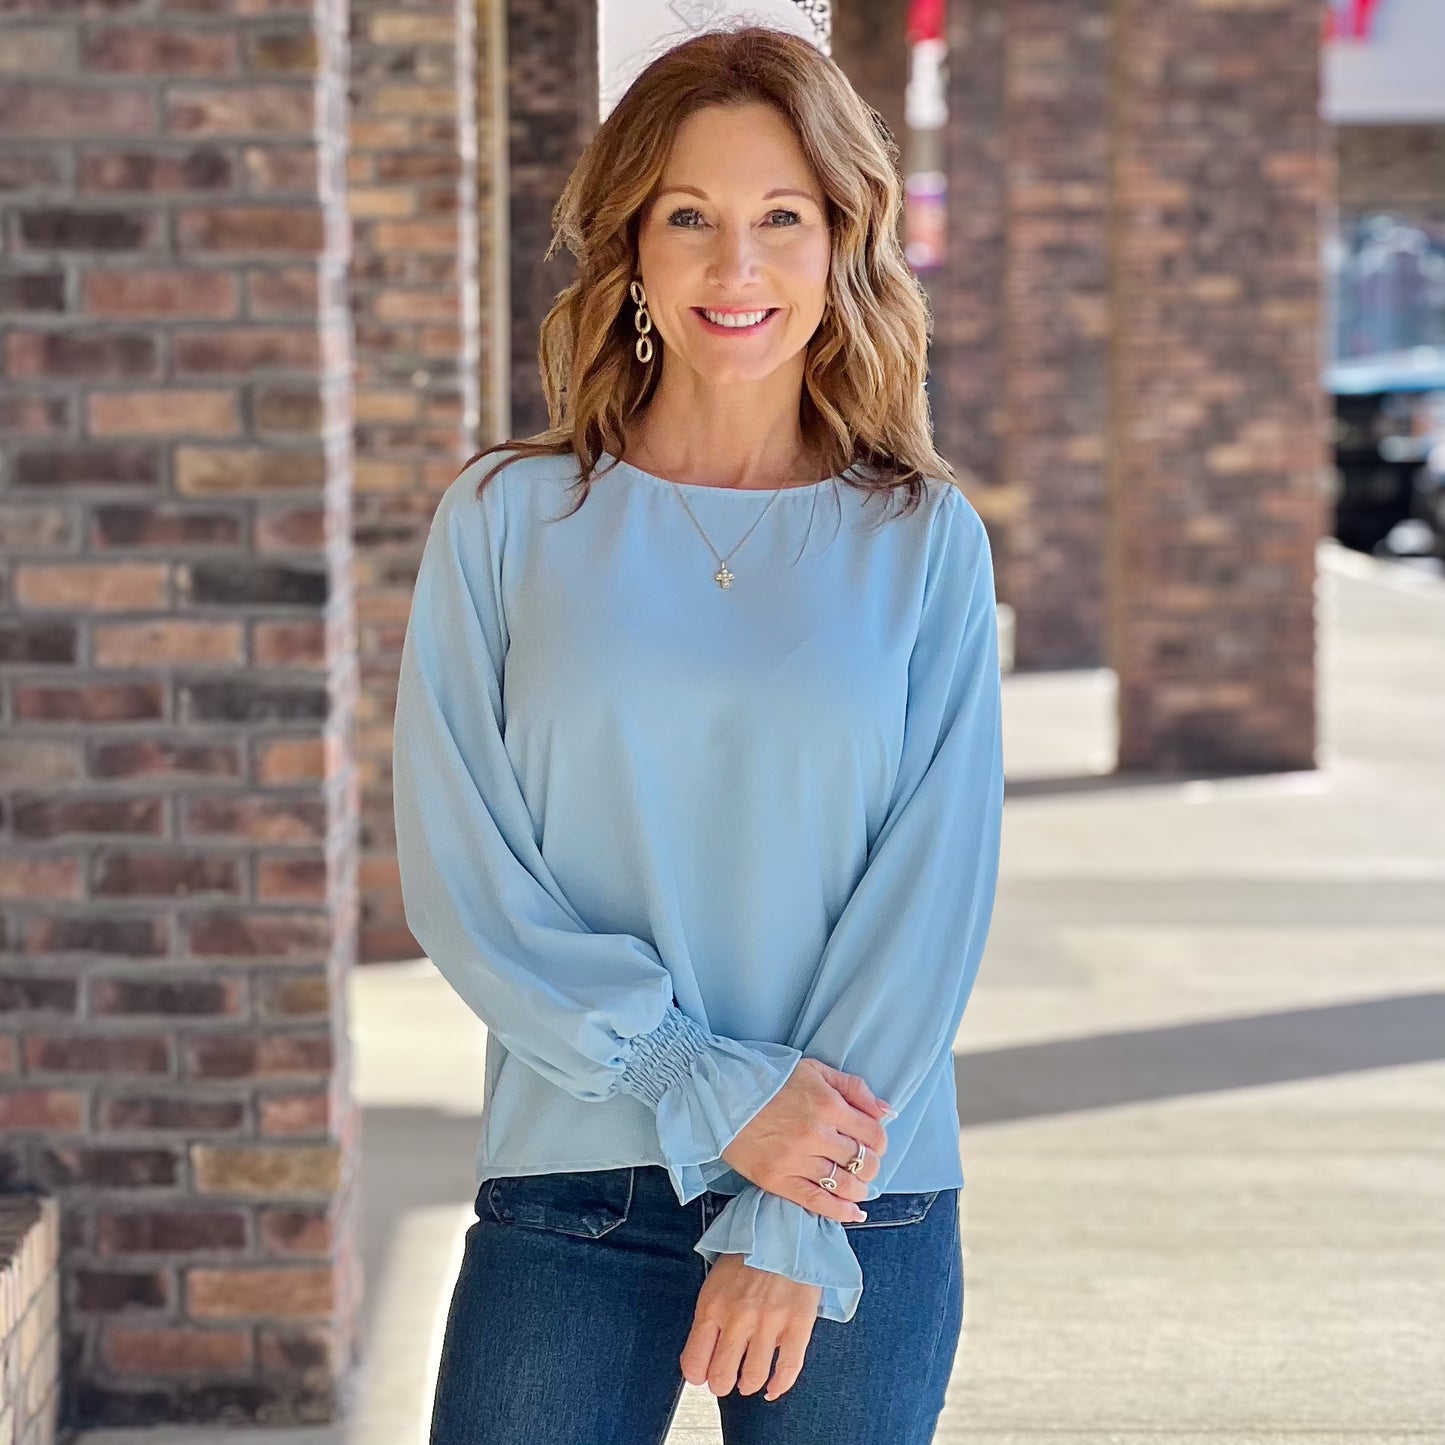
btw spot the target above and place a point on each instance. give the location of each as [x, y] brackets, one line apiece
[699, 812]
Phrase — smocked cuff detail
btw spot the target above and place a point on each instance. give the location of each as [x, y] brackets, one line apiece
[782, 1237]
[664, 1056]
[705, 1089]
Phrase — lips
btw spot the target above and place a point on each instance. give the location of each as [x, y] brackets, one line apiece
[769, 313]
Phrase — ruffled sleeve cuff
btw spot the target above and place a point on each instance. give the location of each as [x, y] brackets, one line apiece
[705, 1089]
[782, 1237]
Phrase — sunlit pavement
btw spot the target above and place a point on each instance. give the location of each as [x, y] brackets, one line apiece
[1202, 1080]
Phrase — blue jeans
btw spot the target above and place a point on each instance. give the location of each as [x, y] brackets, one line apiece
[577, 1292]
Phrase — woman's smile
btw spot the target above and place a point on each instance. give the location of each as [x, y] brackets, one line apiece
[737, 323]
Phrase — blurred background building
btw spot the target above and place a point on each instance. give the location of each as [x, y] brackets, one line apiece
[271, 271]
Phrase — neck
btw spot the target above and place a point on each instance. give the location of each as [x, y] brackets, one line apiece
[746, 436]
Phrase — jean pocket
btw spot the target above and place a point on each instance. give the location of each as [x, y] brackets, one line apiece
[587, 1203]
[890, 1209]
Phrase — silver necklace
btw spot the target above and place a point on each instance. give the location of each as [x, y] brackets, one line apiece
[722, 576]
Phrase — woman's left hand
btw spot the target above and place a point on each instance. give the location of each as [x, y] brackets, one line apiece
[742, 1311]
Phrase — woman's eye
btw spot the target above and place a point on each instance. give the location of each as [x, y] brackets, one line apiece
[693, 211]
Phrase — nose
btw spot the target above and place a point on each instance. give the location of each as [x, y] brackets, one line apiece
[732, 260]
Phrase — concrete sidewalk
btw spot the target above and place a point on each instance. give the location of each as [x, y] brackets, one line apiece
[1202, 1080]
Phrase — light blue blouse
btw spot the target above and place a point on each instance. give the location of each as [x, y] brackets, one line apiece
[666, 838]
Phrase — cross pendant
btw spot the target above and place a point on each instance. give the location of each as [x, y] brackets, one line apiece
[722, 576]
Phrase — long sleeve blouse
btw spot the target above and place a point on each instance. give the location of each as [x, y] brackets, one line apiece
[666, 838]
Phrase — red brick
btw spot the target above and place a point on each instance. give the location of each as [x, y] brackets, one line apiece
[276, 170]
[289, 644]
[173, 412]
[162, 51]
[57, 111]
[194, 168]
[240, 110]
[72, 817]
[161, 293]
[167, 642]
[281, 291]
[165, 525]
[86, 703]
[264, 818]
[168, 997]
[135, 1350]
[188, 1114]
[297, 1351]
[252, 230]
[37, 643]
[286, 761]
[46, 1110]
[37, 879]
[74, 587]
[294, 1115]
[148, 759]
[296, 936]
[170, 1231]
[218, 471]
[288, 410]
[34, 415]
[111, 1291]
[286, 879]
[290, 529]
[306, 995]
[97, 1054]
[282, 52]
[295, 1233]
[245, 350]
[33, 527]
[259, 1293]
[269, 1170]
[32, 51]
[106, 352]
[93, 933]
[109, 464]
[237, 1056]
[49, 993]
[158, 874]
[415, 236]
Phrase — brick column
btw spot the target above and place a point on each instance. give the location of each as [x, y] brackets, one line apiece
[414, 198]
[1056, 326]
[869, 42]
[553, 104]
[1221, 169]
[967, 360]
[177, 781]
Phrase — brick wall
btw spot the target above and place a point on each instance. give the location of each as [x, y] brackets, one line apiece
[1386, 166]
[1222, 173]
[413, 160]
[177, 783]
[29, 1319]
[553, 104]
[967, 385]
[1055, 332]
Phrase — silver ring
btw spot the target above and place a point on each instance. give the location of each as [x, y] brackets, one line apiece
[856, 1163]
[830, 1183]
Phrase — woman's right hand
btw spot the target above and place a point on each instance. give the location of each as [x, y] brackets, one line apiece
[811, 1123]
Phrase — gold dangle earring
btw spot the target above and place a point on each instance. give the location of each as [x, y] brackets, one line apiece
[642, 321]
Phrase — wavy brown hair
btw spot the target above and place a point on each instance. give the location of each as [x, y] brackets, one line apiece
[863, 404]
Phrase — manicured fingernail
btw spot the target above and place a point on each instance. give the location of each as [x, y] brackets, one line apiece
[861, 1214]
[890, 1113]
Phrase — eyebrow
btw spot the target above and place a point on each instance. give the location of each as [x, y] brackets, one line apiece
[767, 195]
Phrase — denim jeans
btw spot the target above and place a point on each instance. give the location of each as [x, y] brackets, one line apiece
[577, 1292]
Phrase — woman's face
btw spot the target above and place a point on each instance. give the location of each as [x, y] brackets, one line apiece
[738, 225]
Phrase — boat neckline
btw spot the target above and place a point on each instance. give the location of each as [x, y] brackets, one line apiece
[697, 488]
